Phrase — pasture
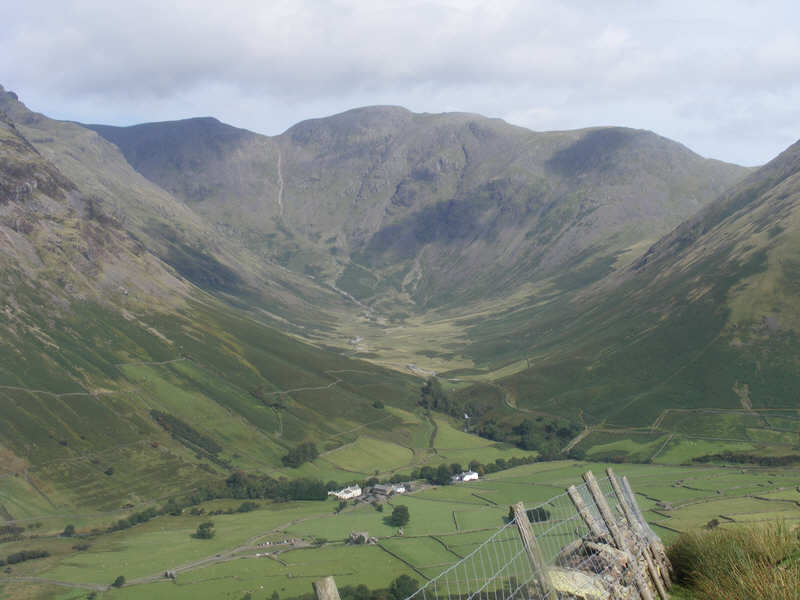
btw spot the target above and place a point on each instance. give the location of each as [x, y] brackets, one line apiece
[446, 523]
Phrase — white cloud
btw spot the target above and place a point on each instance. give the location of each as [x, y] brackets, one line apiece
[721, 77]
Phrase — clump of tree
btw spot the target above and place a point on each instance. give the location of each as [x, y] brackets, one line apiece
[750, 459]
[23, 555]
[434, 397]
[69, 531]
[11, 533]
[241, 485]
[400, 516]
[205, 531]
[184, 432]
[139, 517]
[443, 474]
[119, 582]
[305, 452]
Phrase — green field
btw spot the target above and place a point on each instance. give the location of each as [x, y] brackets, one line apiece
[447, 522]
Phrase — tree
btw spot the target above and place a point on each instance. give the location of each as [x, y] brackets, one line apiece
[205, 531]
[443, 475]
[69, 530]
[301, 454]
[274, 596]
[403, 587]
[119, 582]
[399, 516]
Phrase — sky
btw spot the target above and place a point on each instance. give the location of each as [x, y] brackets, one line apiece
[723, 78]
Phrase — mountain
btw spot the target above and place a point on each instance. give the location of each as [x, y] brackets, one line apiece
[103, 332]
[704, 322]
[416, 211]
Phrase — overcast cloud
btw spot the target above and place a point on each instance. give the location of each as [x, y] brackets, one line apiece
[721, 77]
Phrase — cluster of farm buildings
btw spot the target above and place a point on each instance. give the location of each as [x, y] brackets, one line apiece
[387, 489]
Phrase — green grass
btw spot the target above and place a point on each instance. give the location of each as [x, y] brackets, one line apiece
[739, 564]
[367, 454]
[421, 552]
[350, 565]
[450, 438]
[680, 451]
[441, 513]
[166, 542]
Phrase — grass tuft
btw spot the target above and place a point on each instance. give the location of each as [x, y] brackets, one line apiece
[745, 563]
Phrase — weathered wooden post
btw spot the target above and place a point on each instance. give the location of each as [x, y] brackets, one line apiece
[638, 530]
[594, 527]
[657, 546]
[325, 589]
[532, 549]
[616, 534]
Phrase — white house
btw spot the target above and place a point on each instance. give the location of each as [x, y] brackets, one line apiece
[466, 476]
[354, 491]
[400, 489]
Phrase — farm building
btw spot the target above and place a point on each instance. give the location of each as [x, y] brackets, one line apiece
[466, 476]
[353, 491]
[387, 489]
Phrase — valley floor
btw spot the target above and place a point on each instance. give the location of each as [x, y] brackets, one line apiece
[307, 539]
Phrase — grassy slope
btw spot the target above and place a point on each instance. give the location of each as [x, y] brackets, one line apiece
[705, 321]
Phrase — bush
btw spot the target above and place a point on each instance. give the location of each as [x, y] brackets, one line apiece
[24, 555]
[205, 531]
[69, 531]
[739, 564]
[403, 587]
[119, 582]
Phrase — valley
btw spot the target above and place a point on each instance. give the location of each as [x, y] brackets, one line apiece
[194, 317]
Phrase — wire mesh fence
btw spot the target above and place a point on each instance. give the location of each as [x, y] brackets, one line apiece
[591, 542]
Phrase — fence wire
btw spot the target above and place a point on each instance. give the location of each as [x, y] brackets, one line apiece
[569, 561]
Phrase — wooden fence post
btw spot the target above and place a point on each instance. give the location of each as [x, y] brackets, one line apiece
[580, 506]
[616, 534]
[638, 530]
[657, 546]
[532, 549]
[325, 589]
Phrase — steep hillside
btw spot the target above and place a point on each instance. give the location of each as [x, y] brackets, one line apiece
[98, 331]
[413, 211]
[196, 249]
[707, 318]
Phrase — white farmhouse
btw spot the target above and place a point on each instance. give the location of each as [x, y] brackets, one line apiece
[353, 491]
[466, 476]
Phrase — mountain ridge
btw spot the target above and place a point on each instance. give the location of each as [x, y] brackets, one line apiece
[341, 189]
